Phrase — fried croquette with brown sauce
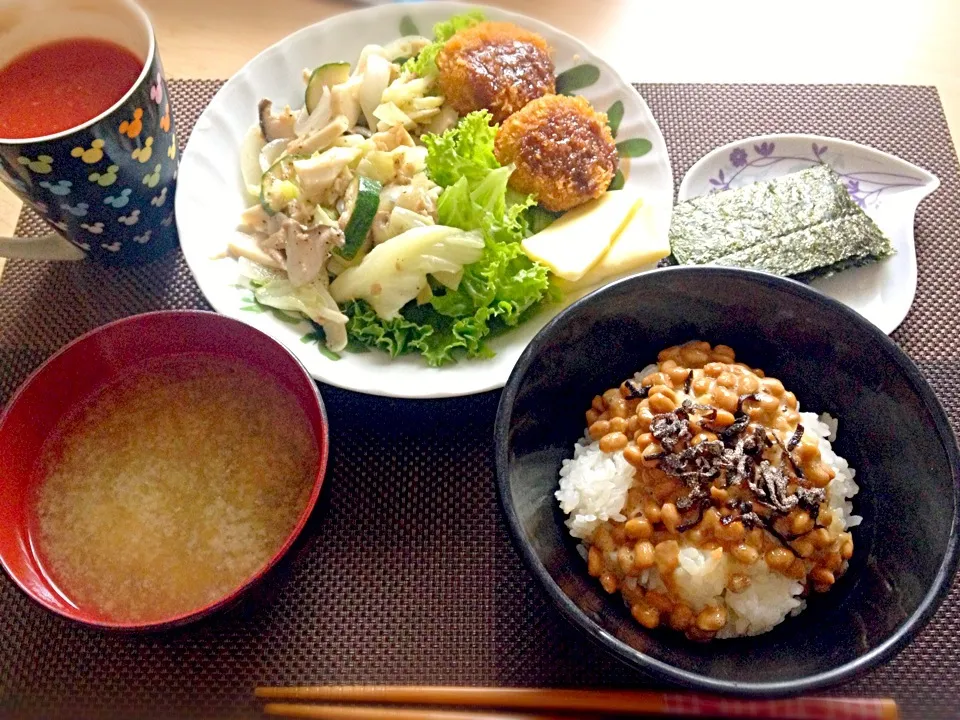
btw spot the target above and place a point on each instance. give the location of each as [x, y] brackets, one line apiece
[495, 66]
[563, 151]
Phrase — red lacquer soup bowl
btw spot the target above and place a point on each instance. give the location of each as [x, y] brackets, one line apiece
[83, 368]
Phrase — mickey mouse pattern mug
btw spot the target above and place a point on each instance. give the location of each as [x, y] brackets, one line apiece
[105, 186]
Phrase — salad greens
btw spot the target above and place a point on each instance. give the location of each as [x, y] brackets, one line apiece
[425, 63]
[465, 151]
[494, 292]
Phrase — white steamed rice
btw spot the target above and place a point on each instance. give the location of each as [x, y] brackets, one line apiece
[593, 490]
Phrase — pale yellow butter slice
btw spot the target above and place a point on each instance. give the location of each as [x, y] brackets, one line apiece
[576, 242]
[638, 247]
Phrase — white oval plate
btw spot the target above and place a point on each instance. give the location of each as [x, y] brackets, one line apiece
[210, 195]
[887, 188]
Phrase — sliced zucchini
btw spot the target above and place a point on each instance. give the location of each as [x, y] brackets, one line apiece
[361, 219]
[276, 190]
[326, 75]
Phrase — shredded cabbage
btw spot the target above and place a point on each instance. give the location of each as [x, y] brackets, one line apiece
[274, 289]
[395, 272]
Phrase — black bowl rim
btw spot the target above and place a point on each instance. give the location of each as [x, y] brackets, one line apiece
[662, 670]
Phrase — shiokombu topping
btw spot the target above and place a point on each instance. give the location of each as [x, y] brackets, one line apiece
[632, 390]
[796, 438]
[734, 459]
[722, 484]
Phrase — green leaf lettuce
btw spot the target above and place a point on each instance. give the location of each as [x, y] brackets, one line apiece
[494, 293]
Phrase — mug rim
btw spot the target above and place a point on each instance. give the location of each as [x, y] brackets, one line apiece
[147, 65]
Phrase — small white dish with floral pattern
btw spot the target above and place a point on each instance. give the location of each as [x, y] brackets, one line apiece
[887, 188]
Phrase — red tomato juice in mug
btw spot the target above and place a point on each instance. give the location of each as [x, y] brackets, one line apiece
[61, 85]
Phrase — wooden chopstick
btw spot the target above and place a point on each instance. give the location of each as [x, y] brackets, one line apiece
[359, 712]
[629, 702]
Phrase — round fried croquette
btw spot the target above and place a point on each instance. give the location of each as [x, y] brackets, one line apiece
[563, 150]
[497, 66]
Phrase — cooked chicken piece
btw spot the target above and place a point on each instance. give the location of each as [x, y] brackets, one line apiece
[331, 196]
[419, 196]
[318, 173]
[319, 139]
[301, 212]
[392, 139]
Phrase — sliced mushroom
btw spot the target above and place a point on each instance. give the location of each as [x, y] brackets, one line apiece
[276, 240]
[320, 139]
[244, 246]
[305, 256]
[275, 127]
[275, 222]
[307, 251]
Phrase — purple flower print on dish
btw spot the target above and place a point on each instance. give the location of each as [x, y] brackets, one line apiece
[719, 181]
[864, 187]
[764, 149]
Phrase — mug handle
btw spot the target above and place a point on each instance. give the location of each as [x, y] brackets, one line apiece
[44, 247]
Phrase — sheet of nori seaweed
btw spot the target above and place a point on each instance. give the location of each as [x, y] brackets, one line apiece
[714, 226]
[816, 251]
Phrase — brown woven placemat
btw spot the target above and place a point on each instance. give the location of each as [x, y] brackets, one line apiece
[406, 572]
